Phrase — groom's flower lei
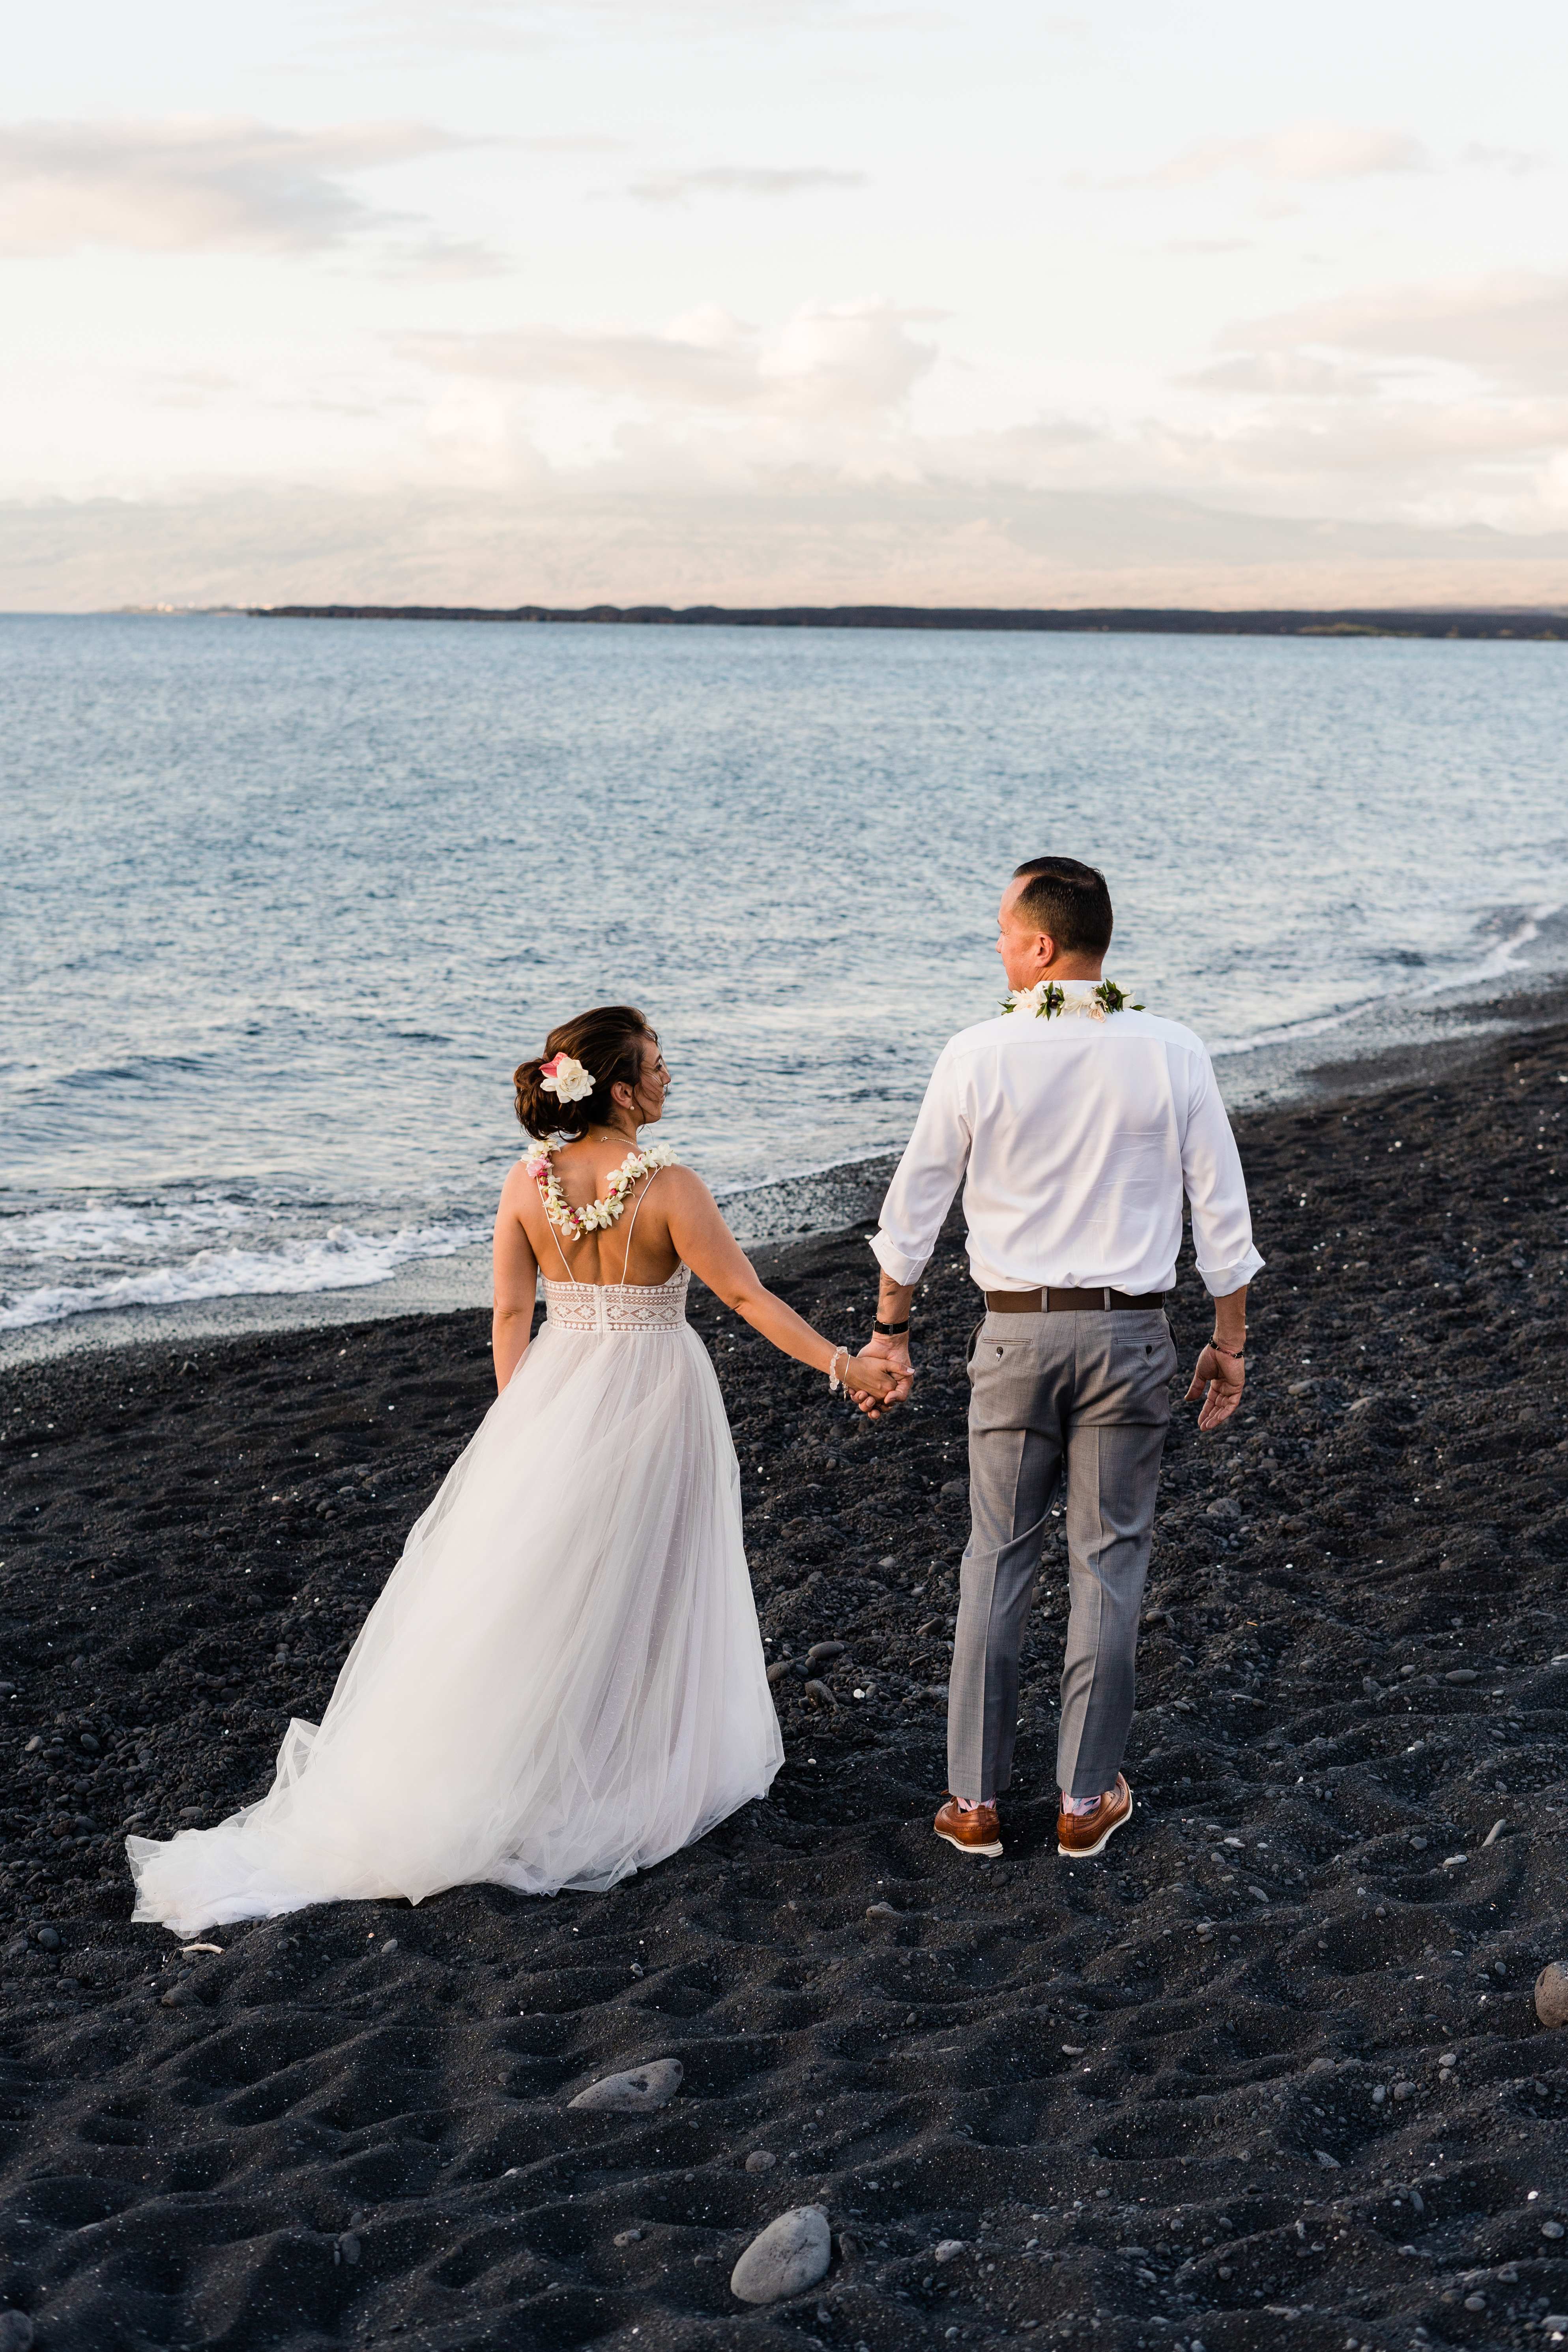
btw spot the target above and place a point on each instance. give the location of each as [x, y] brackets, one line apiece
[1047, 998]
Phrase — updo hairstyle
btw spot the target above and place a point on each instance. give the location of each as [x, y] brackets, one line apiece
[608, 1042]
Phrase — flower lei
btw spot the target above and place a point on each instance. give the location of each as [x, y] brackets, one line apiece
[1047, 998]
[593, 1215]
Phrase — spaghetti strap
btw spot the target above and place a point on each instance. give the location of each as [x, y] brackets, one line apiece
[631, 1229]
[553, 1234]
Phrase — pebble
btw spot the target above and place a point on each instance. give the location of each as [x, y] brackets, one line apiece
[820, 1695]
[635, 2092]
[946, 2248]
[15, 2332]
[761, 2159]
[48, 1939]
[881, 1911]
[1551, 2229]
[780, 1667]
[627, 2237]
[1460, 1674]
[390, 1946]
[1552, 1994]
[791, 2254]
[181, 1996]
[821, 1651]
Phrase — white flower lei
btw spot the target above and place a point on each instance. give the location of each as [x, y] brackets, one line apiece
[1048, 997]
[593, 1215]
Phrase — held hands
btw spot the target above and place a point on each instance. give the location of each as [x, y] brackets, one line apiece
[890, 1360]
[1219, 1380]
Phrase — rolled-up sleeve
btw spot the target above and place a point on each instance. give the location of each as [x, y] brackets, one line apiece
[925, 1180]
[1217, 1189]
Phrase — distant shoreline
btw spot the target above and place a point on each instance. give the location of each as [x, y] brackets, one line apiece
[1532, 626]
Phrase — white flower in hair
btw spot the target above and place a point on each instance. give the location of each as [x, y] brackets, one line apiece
[567, 1080]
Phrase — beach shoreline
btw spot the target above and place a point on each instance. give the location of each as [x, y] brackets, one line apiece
[1183, 2090]
[1433, 1037]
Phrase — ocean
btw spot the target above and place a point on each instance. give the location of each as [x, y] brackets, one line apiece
[284, 901]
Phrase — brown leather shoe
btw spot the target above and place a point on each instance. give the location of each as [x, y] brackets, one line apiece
[1080, 1834]
[977, 1831]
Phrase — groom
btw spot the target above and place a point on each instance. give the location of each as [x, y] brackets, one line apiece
[1075, 1128]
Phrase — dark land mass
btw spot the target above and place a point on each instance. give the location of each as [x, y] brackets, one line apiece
[1553, 627]
[1268, 2072]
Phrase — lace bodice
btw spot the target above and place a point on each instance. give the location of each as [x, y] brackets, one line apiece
[584, 1307]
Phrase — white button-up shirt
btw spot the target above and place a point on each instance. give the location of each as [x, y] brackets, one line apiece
[1075, 1139]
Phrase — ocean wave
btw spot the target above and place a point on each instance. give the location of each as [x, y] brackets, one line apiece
[338, 1259]
[1495, 964]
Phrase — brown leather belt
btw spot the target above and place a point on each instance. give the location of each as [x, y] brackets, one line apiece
[1067, 1302]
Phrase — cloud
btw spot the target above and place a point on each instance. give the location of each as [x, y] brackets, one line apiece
[190, 184]
[1305, 151]
[739, 180]
[842, 362]
[1508, 327]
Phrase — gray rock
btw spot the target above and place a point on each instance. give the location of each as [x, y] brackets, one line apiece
[1460, 1674]
[948, 2248]
[389, 1947]
[627, 2237]
[881, 1911]
[635, 2093]
[780, 1667]
[1552, 1994]
[1225, 1508]
[820, 1653]
[790, 2255]
[761, 2159]
[15, 2332]
[820, 1695]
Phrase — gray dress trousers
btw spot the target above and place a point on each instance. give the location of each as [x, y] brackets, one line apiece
[1087, 1394]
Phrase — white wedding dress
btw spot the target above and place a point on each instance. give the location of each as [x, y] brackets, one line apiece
[563, 1680]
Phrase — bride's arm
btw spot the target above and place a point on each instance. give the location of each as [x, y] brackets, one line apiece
[516, 1279]
[708, 1246]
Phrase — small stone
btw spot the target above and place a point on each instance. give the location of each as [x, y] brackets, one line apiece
[848, 2249]
[791, 2254]
[15, 2332]
[1455, 1860]
[181, 1996]
[1330, 2163]
[1475, 2303]
[820, 1695]
[761, 2159]
[820, 1653]
[1416, 1844]
[1551, 2229]
[390, 1946]
[350, 2248]
[947, 2248]
[634, 2093]
[780, 1667]
[956, 1486]
[1404, 2090]
[1551, 1994]
[1225, 1507]
[627, 2237]
[48, 1939]
[1460, 1674]
[881, 1911]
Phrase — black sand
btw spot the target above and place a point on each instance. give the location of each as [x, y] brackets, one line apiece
[1193, 2093]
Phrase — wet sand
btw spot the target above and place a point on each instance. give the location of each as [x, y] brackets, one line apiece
[1195, 2092]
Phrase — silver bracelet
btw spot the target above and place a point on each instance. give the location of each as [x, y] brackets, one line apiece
[834, 1383]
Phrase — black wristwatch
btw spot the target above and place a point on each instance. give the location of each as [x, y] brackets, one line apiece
[892, 1330]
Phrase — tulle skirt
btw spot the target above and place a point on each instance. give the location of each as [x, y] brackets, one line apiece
[562, 1683]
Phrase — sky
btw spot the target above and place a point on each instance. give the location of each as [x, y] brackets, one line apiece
[773, 300]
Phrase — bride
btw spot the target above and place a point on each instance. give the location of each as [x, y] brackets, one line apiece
[563, 1680]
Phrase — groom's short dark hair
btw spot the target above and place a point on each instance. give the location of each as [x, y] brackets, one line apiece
[1069, 901]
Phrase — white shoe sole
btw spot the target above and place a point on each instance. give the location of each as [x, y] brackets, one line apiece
[1085, 1852]
[978, 1852]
